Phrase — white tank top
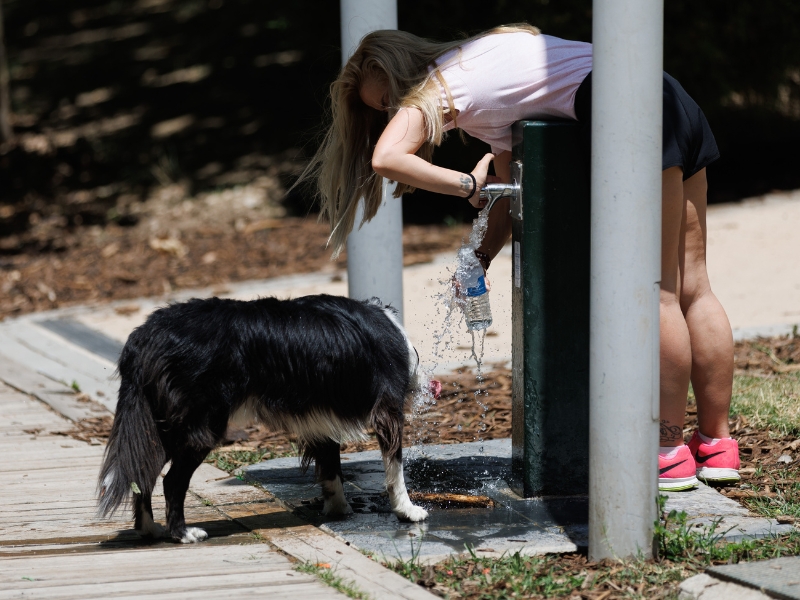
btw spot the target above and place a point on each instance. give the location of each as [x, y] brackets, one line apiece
[502, 78]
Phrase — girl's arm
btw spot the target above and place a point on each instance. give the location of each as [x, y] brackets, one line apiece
[395, 158]
[499, 229]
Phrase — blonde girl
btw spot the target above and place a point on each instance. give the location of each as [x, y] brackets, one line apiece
[399, 94]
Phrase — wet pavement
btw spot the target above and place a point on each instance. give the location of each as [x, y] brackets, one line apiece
[478, 468]
[513, 524]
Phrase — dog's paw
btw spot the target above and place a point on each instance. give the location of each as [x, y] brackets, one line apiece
[334, 507]
[193, 535]
[412, 513]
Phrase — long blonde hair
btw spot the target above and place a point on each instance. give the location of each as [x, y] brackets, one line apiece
[341, 166]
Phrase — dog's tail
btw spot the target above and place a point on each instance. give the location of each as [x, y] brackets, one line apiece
[134, 456]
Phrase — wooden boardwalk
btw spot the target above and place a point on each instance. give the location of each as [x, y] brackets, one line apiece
[52, 545]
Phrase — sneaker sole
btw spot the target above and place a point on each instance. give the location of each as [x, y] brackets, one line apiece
[677, 484]
[718, 475]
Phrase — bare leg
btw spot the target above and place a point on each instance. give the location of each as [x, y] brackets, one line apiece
[709, 328]
[676, 350]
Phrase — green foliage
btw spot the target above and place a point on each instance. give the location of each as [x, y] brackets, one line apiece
[232, 460]
[771, 403]
[778, 493]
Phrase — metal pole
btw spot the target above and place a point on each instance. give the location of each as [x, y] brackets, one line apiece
[374, 252]
[625, 274]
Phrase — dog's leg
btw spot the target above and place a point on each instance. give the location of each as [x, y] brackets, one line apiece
[176, 484]
[389, 430]
[143, 518]
[396, 487]
[328, 470]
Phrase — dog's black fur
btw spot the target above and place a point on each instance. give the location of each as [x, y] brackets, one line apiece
[320, 366]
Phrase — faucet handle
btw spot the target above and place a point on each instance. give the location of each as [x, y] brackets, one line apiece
[492, 192]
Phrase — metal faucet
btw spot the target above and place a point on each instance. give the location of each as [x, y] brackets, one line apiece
[492, 192]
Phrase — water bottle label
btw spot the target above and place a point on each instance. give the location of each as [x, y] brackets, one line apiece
[479, 289]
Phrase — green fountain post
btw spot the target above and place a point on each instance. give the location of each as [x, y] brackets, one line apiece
[550, 309]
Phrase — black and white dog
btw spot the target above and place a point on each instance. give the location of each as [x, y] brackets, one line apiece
[320, 367]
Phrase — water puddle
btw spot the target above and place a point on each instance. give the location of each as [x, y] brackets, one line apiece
[477, 469]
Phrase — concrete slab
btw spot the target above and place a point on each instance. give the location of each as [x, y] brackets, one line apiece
[779, 577]
[705, 587]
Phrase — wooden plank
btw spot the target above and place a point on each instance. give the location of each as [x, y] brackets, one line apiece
[53, 546]
[85, 567]
[80, 526]
[88, 568]
[14, 351]
[307, 591]
[164, 572]
[88, 338]
[61, 350]
[184, 575]
[159, 588]
[309, 544]
[41, 379]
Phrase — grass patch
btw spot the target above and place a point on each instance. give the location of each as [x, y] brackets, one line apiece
[776, 493]
[771, 402]
[324, 572]
[231, 460]
[683, 553]
[548, 576]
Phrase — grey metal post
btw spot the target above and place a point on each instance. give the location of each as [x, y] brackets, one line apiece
[375, 251]
[625, 274]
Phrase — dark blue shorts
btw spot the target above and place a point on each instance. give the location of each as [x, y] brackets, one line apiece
[688, 142]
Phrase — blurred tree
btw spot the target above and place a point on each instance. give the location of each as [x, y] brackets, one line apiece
[5, 98]
[249, 78]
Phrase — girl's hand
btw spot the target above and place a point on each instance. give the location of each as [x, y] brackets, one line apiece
[482, 177]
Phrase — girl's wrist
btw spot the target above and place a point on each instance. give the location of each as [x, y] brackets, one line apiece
[474, 184]
[484, 259]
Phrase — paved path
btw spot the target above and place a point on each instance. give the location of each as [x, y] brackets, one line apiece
[754, 262]
[52, 546]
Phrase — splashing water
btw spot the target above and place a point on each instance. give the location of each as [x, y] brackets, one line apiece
[451, 308]
[465, 259]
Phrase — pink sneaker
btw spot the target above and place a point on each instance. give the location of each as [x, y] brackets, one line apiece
[677, 473]
[716, 463]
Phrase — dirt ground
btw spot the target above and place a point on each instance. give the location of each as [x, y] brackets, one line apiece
[178, 242]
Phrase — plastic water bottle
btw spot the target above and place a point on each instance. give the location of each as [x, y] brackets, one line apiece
[478, 314]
